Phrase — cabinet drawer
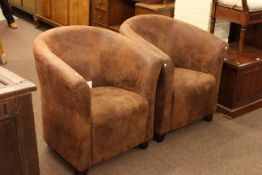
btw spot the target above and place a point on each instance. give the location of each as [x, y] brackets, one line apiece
[100, 16]
[101, 4]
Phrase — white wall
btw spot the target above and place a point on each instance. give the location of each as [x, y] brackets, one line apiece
[198, 13]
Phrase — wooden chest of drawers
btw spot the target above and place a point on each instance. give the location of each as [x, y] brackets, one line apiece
[18, 150]
[111, 13]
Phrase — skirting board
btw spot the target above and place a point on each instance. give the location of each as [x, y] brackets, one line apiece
[233, 113]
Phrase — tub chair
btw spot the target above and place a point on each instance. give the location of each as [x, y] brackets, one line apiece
[192, 61]
[86, 125]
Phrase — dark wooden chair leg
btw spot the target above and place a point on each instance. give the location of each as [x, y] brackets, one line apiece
[159, 137]
[144, 145]
[209, 118]
[242, 37]
[213, 17]
[212, 25]
[76, 172]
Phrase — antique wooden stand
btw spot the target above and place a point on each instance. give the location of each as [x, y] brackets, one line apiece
[18, 149]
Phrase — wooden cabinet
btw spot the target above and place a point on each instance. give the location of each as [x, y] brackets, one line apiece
[111, 13]
[63, 12]
[18, 149]
[241, 82]
[28, 6]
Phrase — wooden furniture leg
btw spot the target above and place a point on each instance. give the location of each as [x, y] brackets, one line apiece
[242, 37]
[213, 18]
[144, 145]
[209, 118]
[159, 137]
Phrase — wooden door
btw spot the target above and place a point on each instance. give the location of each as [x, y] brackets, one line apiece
[59, 10]
[43, 8]
[79, 12]
[29, 4]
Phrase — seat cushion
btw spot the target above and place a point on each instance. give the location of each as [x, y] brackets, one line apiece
[194, 94]
[254, 5]
[119, 121]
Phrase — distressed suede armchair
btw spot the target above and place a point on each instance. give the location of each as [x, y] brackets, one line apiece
[89, 125]
[188, 84]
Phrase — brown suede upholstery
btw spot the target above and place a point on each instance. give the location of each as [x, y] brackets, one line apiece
[88, 125]
[196, 59]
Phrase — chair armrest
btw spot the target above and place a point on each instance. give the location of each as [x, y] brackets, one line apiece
[133, 68]
[65, 100]
[163, 103]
